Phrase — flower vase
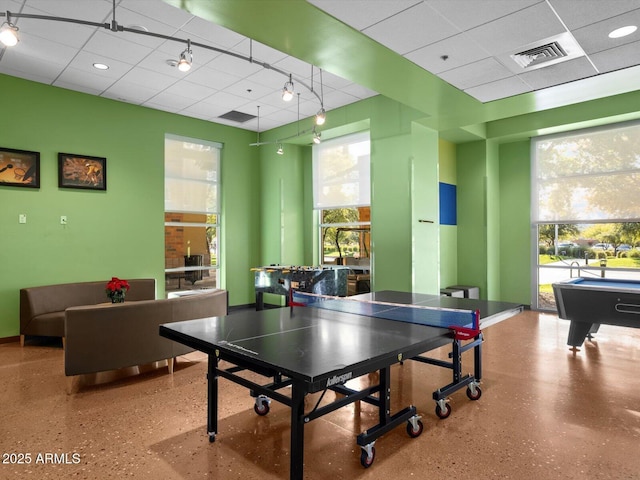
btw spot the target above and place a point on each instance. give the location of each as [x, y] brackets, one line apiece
[117, 297]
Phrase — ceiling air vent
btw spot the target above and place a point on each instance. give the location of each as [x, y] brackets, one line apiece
[537, 55]
[236, 116]
[543, 53]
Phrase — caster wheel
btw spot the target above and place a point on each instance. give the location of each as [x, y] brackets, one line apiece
[473, 396]
[443, 413]
[365, 460]
[212, 438]
[415, 433]
[261, 409]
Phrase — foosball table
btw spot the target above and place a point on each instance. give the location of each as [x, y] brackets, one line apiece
[281, 280]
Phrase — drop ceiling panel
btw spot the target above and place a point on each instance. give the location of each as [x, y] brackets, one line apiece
[189, 90]
[578, 13]
[39, 48]
[97, 10]
[359, 13]
[169, 101]
[507, 87]
[129, 92]
[212, 34]
[249, 90]
[211, 78]
[159, 11]
[36, 69]
[258, 51]
[207, 109]
[240, 68]
[617, 58]
[467, 14]
[358, 91]
[520, 28]
[559, 73]
[85, 81]
[595, 37]
[68, 34]
[411, 29]
[153, 80]
[116, 47]
[477, 73]
[459, 49]
[298, 68]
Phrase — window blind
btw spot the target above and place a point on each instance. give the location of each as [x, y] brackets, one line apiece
[587, 175]
[341, 172]
[192, 169]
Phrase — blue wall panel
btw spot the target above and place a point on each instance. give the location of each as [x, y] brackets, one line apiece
[448, 204]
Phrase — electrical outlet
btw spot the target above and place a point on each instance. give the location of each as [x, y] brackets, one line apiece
[22, 218]
[63, 220]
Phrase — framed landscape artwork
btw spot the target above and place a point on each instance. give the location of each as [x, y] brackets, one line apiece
[82, 171]
[19, 168]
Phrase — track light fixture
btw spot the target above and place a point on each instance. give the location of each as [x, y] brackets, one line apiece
[9, 33]
[287, 91]
[280, 150]
[316, 136]
[9, 38]
[186, 58]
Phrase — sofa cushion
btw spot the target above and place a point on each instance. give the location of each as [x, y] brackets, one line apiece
[49, 324]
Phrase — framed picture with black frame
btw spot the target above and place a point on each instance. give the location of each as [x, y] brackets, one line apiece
[19, 168]
[82, 171]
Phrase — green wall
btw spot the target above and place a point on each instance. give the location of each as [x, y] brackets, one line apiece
[472, 214]
[515, 227]
[447, 173]
[119, 232]
[425, 196]
[267, 214]
[404, 159]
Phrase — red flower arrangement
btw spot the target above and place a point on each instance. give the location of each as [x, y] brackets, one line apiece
[116, 289]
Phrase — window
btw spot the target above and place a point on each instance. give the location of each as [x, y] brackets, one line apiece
[587, 175]
[585, 206]
[341, 172]
[341, 193]
[192, 216]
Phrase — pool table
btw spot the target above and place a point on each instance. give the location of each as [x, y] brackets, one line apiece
[589, 302]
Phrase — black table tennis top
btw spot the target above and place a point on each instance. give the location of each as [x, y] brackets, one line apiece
[312, 345]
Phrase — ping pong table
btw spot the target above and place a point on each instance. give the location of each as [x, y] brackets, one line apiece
[321, 346]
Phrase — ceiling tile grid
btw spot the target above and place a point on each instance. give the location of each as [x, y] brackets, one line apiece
[466, 43]
[471, 42]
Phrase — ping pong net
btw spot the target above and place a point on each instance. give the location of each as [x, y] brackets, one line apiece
[465, 324]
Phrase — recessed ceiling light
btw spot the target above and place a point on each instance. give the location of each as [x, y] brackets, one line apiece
[101, 66]
[623, 31]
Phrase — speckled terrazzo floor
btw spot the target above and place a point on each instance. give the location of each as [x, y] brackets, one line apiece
[545, 413]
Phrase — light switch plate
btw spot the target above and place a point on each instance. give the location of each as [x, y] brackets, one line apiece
[22, 218]
[63, 220]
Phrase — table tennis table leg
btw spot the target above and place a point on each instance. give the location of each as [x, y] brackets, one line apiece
[212, 398]
[297, 432]
[477, 358]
